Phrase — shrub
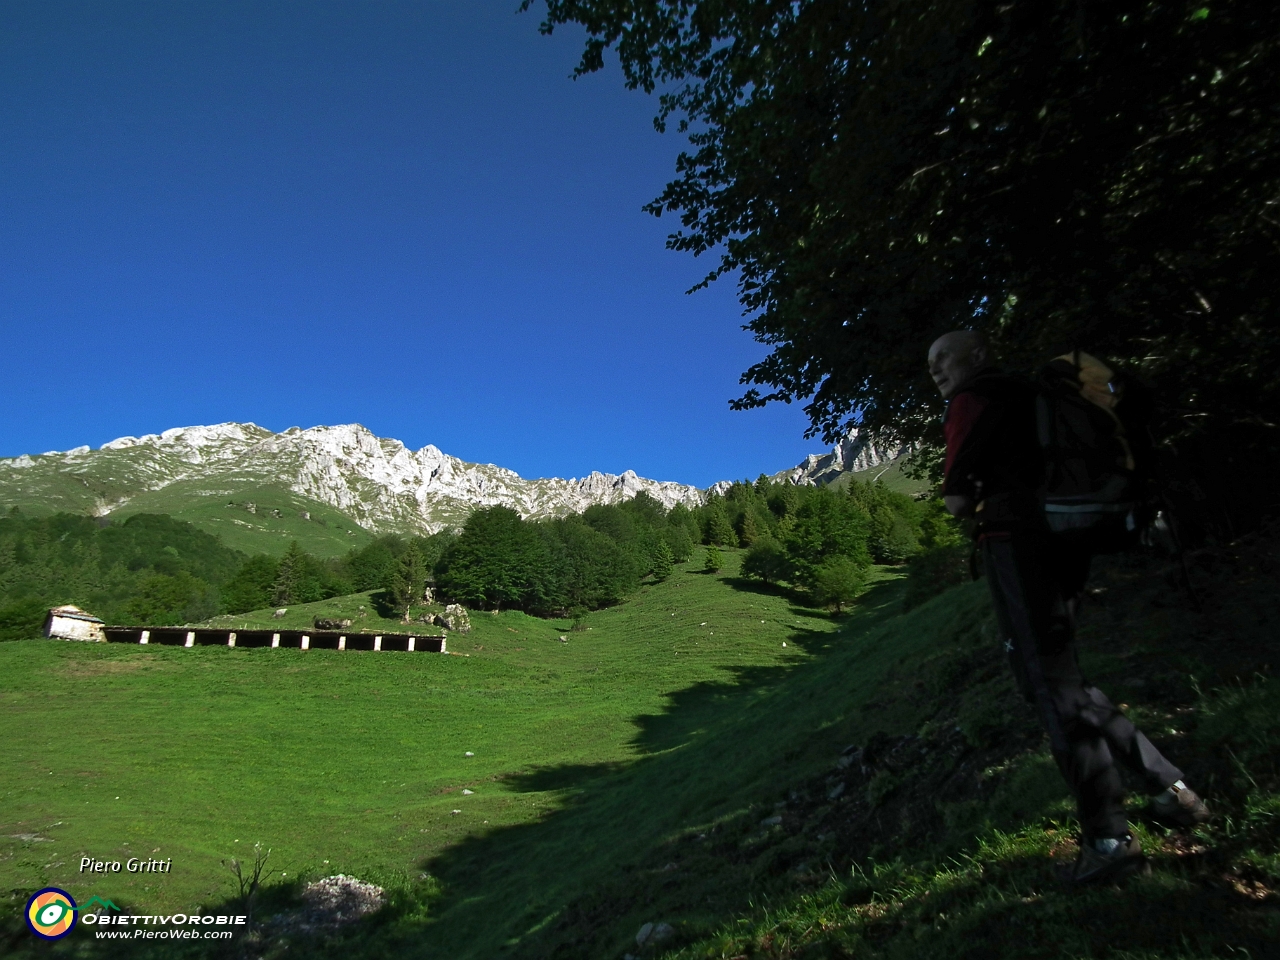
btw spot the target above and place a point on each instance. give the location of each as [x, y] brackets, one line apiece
[714, 560]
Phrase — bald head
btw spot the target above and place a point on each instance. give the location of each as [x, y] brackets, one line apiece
[955, 357]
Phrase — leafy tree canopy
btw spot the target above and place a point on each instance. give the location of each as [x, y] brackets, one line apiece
[1054, 173]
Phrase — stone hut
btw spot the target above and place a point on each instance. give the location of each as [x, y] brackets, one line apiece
[72, 623]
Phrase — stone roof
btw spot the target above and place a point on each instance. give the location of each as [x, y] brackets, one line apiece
[74, 613]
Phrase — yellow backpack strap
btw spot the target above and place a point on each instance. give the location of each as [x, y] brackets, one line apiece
[1094, 378]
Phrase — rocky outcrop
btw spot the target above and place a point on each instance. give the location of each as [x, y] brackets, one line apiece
[455, 618]
[855, 453]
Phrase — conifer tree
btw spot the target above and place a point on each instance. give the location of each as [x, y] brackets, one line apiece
[720, 530]
[714, 560]
[288, 577]
[662, 561]
[409, 580]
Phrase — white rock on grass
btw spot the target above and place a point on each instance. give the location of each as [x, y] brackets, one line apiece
[331, 903]
[467, 793]
[654, 934]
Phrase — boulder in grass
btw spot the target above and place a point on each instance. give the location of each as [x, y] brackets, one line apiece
[654, 935]
[321, 623]
[455, 618]
[279, 613]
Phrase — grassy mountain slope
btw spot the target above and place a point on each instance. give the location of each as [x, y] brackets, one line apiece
[376, 482]
[278, 517]
[684, 769]
[892, 475]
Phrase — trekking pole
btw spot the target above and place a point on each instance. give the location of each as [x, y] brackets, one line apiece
[1172, 526]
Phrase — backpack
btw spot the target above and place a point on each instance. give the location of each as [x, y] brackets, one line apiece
[1093, 427]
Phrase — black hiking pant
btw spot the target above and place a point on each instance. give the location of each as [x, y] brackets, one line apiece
[1036, 587]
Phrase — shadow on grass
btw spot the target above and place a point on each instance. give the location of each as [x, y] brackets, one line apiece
[528, 889]
[629, 847]
[1016, 907]
[569, 777]
[749, 585]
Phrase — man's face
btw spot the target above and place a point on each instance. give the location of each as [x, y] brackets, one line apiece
[953, 359]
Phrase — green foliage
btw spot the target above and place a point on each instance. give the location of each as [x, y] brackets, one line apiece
[587, 568]
[719, 530]
[22, 619]
[935, 569]
[837, 581]
[162, 599]
[662, 562]
[253, 586]
[116, 570]
[157, 570]
[409, 582]
[767, 560]
[944, 558]
[679, 542]
[552, 566]
[894, 532]
[794, 530]
[302, 578]
[714, 561]
[827, 525]
[498, 560]
[684, 528]
[1053, 173]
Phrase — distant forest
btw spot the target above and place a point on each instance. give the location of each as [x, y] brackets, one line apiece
[156, 570]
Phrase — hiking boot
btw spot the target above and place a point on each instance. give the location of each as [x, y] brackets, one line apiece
[1106, 858]
[1178, 806]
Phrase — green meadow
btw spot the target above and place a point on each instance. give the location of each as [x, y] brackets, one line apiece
[675, 763]
[343, 761]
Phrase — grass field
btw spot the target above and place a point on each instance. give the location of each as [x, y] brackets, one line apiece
[350, 758]
[276, 521]
[676, 764]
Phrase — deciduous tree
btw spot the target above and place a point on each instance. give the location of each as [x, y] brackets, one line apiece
[1053, 172]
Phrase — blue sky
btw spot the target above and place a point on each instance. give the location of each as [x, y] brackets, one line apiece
[399, 214]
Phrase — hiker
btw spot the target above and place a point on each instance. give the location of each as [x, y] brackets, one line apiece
[994, 475]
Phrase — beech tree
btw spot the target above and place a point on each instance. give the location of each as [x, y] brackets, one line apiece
[838, 581]
[1055, 173]
[767, 560]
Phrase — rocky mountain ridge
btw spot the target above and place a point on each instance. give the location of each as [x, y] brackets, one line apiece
[858, 451]
[378, 482]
